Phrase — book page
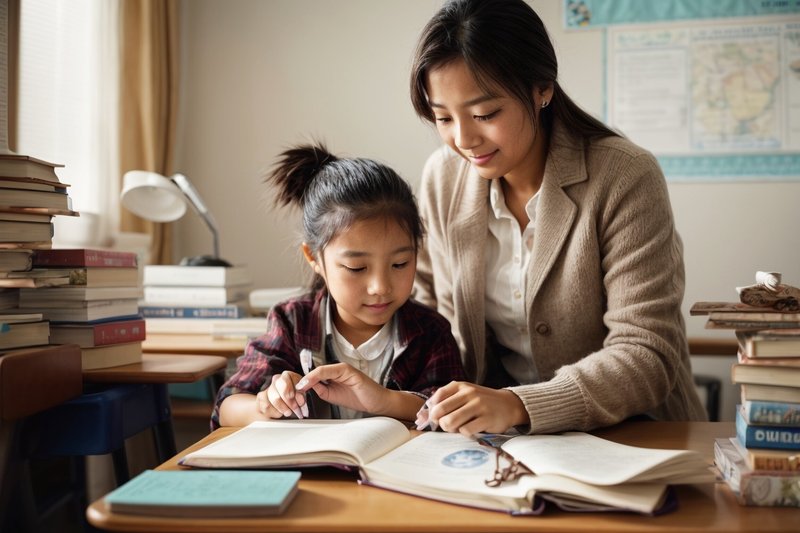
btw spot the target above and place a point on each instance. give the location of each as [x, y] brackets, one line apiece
[294, 442]
[446, 466]
[598, 461]
[453, 468]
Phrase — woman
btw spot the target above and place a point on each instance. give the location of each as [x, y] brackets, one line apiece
[551, 245]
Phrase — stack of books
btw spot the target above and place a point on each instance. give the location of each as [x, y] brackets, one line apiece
[97, 308]
[761, 463]
[31, 194]
[199, 300]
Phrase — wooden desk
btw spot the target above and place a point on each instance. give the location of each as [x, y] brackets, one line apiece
[333, 501]
[193, 344]
[159, 368]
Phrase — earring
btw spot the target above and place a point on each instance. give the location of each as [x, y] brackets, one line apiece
[544, 104]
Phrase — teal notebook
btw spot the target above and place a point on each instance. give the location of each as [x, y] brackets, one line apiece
[205, 493]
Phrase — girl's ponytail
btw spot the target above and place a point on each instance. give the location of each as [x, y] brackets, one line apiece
[295, 169]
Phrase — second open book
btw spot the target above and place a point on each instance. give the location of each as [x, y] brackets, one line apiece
[576, 471]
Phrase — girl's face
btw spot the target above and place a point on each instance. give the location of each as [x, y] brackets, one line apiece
[493, 132]
[369, 271]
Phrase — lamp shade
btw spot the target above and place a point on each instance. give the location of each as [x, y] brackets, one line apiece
[152, 196]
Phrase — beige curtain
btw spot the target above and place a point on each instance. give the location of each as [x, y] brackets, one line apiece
[13, 72]
[149, 104]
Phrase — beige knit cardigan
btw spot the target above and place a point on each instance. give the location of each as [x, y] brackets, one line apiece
[604, 287]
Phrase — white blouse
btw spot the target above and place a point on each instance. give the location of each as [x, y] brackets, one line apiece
[508, 254]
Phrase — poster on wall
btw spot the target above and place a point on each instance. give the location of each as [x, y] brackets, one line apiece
[715, 99]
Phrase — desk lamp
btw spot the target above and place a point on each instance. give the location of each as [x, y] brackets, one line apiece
[160, 199]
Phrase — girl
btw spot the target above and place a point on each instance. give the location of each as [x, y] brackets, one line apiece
[383, 353]
[551, 246]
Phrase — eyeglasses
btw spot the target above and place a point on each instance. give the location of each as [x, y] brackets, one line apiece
[506, 468]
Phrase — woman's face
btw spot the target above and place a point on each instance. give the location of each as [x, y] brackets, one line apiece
[492, 131]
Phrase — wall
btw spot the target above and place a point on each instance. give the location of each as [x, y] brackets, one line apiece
[260, 75]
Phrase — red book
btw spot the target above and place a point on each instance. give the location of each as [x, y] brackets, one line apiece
[83, 257]
[99, 334]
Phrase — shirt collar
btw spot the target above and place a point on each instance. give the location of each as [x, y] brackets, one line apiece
[497, 202]
[370, 350]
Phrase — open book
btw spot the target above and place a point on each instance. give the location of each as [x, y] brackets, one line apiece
[576, 471]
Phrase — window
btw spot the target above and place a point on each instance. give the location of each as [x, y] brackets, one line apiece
[67, 111]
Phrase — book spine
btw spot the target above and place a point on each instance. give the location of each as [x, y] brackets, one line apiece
[748, 324]
[193, 296]
[165, 311]
[778, 413]
[119, 332]
[765, 489]
[772, 437]
[764, 461]
[84, 258]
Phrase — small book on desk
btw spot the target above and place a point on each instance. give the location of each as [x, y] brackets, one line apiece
[576, 471]
[205, 494]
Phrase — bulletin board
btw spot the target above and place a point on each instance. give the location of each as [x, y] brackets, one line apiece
[711, 88]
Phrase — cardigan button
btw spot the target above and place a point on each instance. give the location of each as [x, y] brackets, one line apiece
[543, 328]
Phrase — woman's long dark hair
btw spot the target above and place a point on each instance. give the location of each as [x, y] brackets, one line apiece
[503, 43]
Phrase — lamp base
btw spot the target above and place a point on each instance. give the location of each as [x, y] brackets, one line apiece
[204, 260]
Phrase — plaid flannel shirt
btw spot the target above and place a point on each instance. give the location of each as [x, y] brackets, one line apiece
[430, 357]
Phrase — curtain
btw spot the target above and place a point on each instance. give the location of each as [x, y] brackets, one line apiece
[149, 104]
[12, 58]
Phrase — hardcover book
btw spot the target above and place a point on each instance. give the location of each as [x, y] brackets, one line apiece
[575, 471]
[765, 459]
[100, 310]
[194, 296]
[205, 494]
[84, 257]
[769, 393]
[15, 260]
[758, 488]
[76, 293]
[32, 184]
[771, 413]
[782, 372]
[765, 436]
[21, 334]
[220, 328]
[44, 199]
[25, 231]
[33, 279]
[202, 276]
[770, 343]
[87, 335]
[23, 166]
[111, 355]
[170, 311]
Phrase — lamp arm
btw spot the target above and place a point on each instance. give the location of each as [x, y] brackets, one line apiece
[199, 206]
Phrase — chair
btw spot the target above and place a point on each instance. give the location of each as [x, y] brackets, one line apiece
[31, 381]
[711, 385]
[100, 420]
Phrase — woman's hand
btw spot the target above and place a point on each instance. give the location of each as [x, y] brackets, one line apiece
[341, 384]
[282, 399]
[468, 409]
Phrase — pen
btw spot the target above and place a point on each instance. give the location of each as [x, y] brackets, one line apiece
[306, 363]
[424, 421]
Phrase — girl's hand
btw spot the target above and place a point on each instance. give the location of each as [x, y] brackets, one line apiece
[468, 409]
[341, 384]
[282, 399]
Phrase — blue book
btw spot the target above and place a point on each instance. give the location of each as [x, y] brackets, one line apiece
[206, 493]
[179, 311]
[764, 436]
[772, 413]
